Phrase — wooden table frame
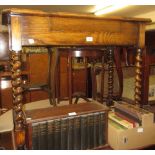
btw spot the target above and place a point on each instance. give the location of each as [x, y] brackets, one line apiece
[37, 28]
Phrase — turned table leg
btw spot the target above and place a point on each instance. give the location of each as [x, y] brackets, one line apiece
[138, 79]
[17, 99]
[110, 77]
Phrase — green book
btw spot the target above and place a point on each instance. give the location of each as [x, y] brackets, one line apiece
[43, 136]
[96, 129]
[57, 134]
[64, 133]
[50, 137]
[70, 133]
[35, 144]
[77, 132]
[90, 129]
[102, 129]
[116, 125]
[84, 133]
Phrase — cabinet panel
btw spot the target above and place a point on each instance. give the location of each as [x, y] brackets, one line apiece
[38, 68]
[79, 80]
[38, 74]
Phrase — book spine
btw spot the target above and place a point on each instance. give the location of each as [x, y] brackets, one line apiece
[43, 136]
[35, 136]
[102, 129]
[64, 132]
[90, 129]
[70, 133]
[84, 132]
[50, 138]
[57, 136]
[96, 129]
[77, 132]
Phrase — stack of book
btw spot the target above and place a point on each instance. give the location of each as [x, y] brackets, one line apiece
[122, 120]
[78, 132]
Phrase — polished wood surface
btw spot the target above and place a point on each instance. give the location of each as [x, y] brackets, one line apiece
[72, 29]
[63, 111]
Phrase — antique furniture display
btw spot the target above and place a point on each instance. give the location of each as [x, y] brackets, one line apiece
[68, 31]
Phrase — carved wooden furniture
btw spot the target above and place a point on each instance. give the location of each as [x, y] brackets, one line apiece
[29, 28]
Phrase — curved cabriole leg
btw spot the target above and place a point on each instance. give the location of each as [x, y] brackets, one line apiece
[138, 78]
[17, 99]
[55, 61]
[110, 77]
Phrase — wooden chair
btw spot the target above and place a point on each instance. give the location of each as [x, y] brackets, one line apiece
[89, 56]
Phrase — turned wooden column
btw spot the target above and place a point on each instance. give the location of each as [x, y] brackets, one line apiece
[15, 47]
[110, 76]
[17, 99]
[138, 78]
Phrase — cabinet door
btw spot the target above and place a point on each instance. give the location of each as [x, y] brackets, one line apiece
[38, 68]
